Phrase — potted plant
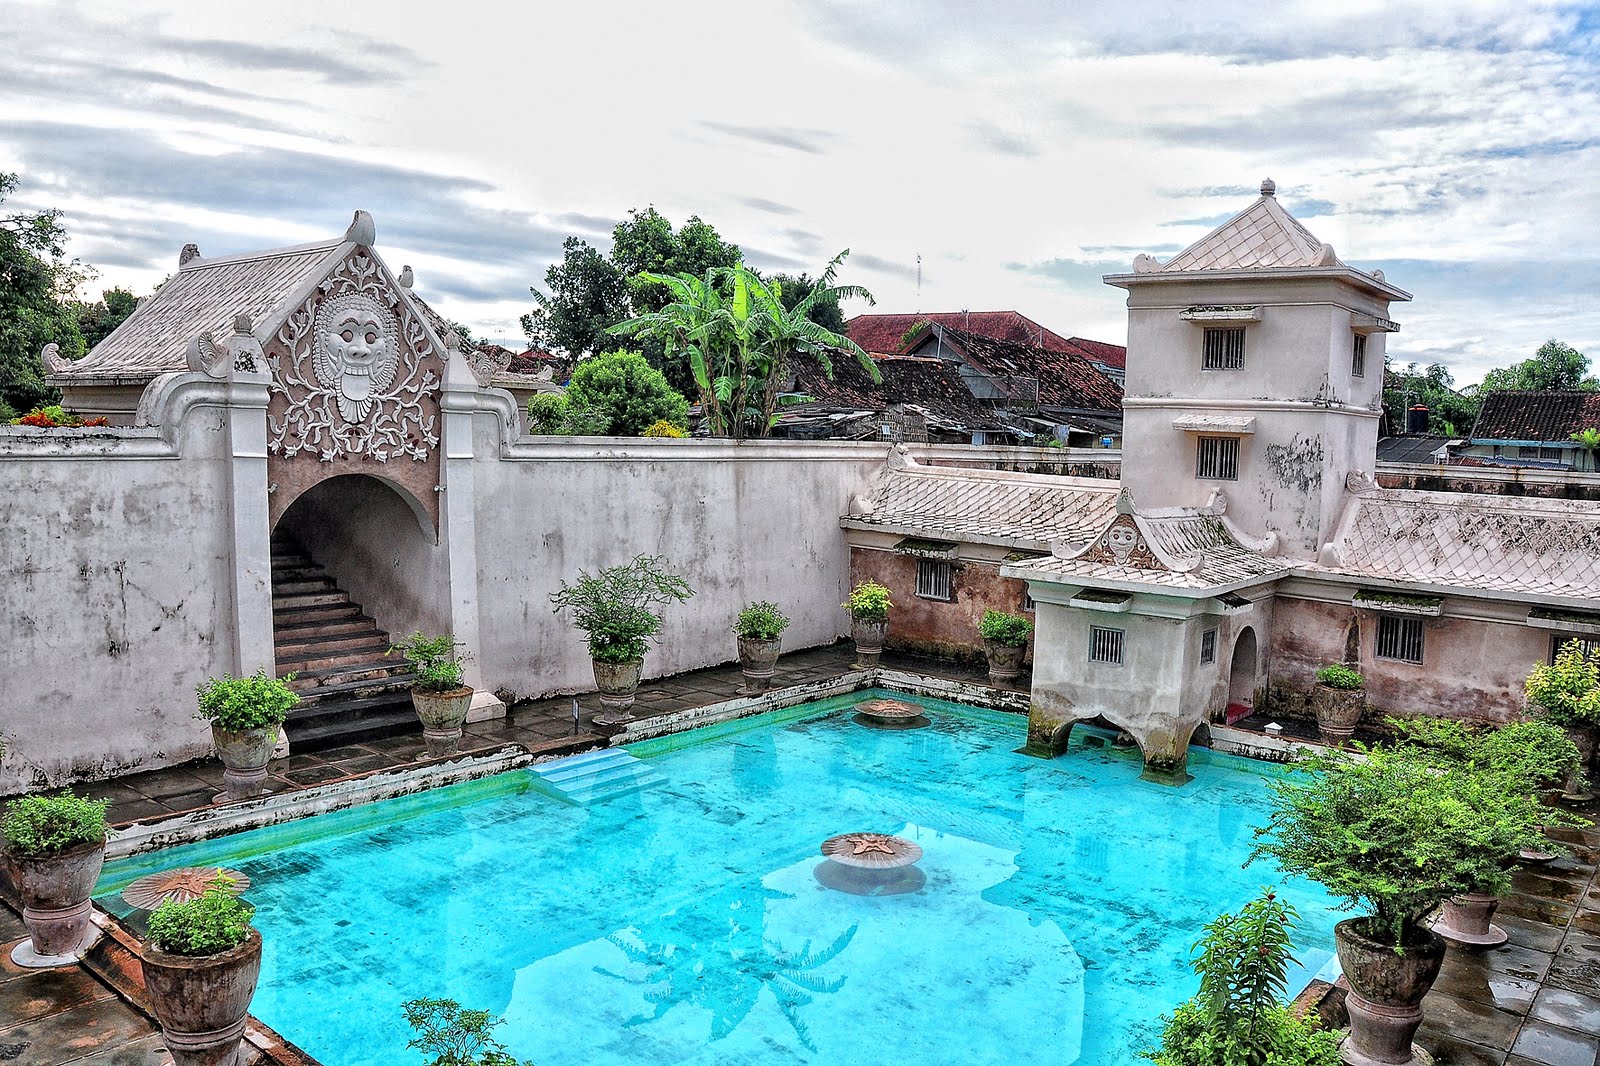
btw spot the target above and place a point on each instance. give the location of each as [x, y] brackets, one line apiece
[759, 628]
[1394, 836]
[614, 607]
[245, 714]
[54, 848]
[1005, 642]
[869, 621]
[1544, 757]
[200, 970]
[437, 695]
[1338, 701]
[1568, 691]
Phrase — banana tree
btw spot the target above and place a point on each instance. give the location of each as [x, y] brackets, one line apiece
[1588, 439]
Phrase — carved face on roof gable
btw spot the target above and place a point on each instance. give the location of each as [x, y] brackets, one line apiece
[357, 351]
[1123, 545]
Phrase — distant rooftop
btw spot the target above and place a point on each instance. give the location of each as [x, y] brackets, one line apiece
[1542, 416]
[892, 334]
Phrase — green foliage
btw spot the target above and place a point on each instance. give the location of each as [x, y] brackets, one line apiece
[1238, 1018]
[663, 428]
[1587, 438]
[49, 825]
[1534, 755]
[36, 280]
[761, 621]
[825, 312]
[1337, 675]
[1449, 412]
[553, 414]
[1555, 365]
[1012, 630]
[1569, 688]
[455, 1036]
[868, 602]
[433, 660]
[97, 320]
[627, 392]
[253, 702]
[1394, 835]
[215, 922]
[739, 339]
[614, 606]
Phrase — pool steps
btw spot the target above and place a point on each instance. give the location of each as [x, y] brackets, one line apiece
[594, 776]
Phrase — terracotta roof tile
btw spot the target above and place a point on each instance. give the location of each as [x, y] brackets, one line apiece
[888, 334]
[1544, 416]
[1066, 379]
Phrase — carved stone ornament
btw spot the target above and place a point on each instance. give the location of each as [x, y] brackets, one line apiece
[354, 369]
[1123, 545]
[54, 361]
[483, 364]
[242, 352]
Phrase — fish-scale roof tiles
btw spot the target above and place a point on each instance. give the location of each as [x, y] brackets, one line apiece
[1262, 235]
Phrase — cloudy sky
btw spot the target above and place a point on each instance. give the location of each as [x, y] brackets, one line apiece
[1022, 148]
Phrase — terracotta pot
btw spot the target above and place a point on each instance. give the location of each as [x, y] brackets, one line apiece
[1337, 710]
[203, 1002]
[55, 891]
[869, 638]
[758, 659]
[618, 683]
[1466, 920]
[1005, 660]
[244, 754]
[1386, 990]
[442, 714]
[1582, 737]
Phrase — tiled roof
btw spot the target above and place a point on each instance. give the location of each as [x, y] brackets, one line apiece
[1012, 510]
[933, 385]
[1516, 545]
[888, 334]
[205, 294]
[1066, 379]
[1262, 235]
[1223, 561]
[1410, 449]
[1546, 416]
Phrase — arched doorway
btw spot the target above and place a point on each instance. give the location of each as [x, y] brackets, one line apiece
[1242, 676]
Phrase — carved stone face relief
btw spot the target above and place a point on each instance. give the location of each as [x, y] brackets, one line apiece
[1120, 541]
[1124, 545]
[356, 353]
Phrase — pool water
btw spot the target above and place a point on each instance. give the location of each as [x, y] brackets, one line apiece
[685, 923]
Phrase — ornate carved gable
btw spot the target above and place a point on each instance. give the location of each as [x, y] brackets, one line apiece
[1123, 544]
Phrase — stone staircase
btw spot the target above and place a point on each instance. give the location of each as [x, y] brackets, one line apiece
[350, 689]
[594, 776]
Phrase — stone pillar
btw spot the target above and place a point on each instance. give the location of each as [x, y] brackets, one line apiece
[1048, 729]
[246, 415]
[1166, 753]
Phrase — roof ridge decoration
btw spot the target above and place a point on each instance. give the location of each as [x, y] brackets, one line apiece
[1128, 541]
[240, 352]
[1263, 235]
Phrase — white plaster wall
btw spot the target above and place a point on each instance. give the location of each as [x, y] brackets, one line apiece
[742, 521]
[115, 599]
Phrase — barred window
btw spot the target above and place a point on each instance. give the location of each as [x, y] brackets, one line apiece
[1224, 349]
[1399, 638]
[1358, 356]
[1217, 458]
[1208, 646]
[1105, 645]
[1589, 645]
[933, 579]
[1552, 454]
[1027, 600]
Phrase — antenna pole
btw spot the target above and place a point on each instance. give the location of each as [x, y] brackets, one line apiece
[919, 283]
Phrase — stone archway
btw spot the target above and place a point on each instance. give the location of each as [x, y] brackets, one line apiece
[1242, 671]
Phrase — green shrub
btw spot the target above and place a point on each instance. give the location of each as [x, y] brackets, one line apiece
[556, 415]
[455, 1036]
[1012, 630]
[627, 391]
[614, 606]
[253, 702]
[868, 602]
[761, 621]
[1569, 688]
[215, 922]
[48, 825]
[1340, 676]
[1537, 753]
[662, 428]
[433, 660]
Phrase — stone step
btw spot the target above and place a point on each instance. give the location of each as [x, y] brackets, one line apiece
[333, 651]
[301, 586]
[307, 571]
[309, 599]
[364, 669]
[391, 685]
[336, 723]
[594, 777]
[303, 626]
[330, 637]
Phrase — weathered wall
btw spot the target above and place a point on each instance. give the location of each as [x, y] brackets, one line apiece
[1513, 481]
[115, 597]
[935, 627]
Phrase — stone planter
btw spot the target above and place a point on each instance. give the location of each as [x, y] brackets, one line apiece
[1386, 990]
[758, 659]
[55, 891]
[1466, 920]
[618, 683]
[1005, 660]
[1582, 737]
[244, 754]
[203, 1002]
[1337, 710]
[442, 714]
[869, 637]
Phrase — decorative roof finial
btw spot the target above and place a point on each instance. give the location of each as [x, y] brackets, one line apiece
[362, 230]
[242, 325]
[1268, 187]
[190, 253]
[407, 278]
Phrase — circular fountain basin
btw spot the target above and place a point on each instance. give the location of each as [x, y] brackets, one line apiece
[870, 864]
[890, 714]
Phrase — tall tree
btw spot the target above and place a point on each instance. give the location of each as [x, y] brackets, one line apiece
[97, 320]
[1449, 412]
[35, 280]
[1556, 365]
[825, 312]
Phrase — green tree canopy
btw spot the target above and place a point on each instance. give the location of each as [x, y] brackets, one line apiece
[35, 279]
[1556, 365]
[97, 320]
[1449, 412]
[628, 391]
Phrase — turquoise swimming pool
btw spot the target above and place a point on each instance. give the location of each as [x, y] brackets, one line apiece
[684, 922]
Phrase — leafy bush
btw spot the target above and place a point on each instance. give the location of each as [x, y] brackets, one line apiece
[455, 1036]
[662, 428]
[613, 606]
[1394, 835]
[253, 702]
[1238, 1018]
[48, 825]
[868, 602]
[1340, 676]
[433, 660]
[1012, 630]
[215, 922]
[761, 621]
[1569, 688]
[54, 416]
[556, 415]
[1537, 753]
[627, 391]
